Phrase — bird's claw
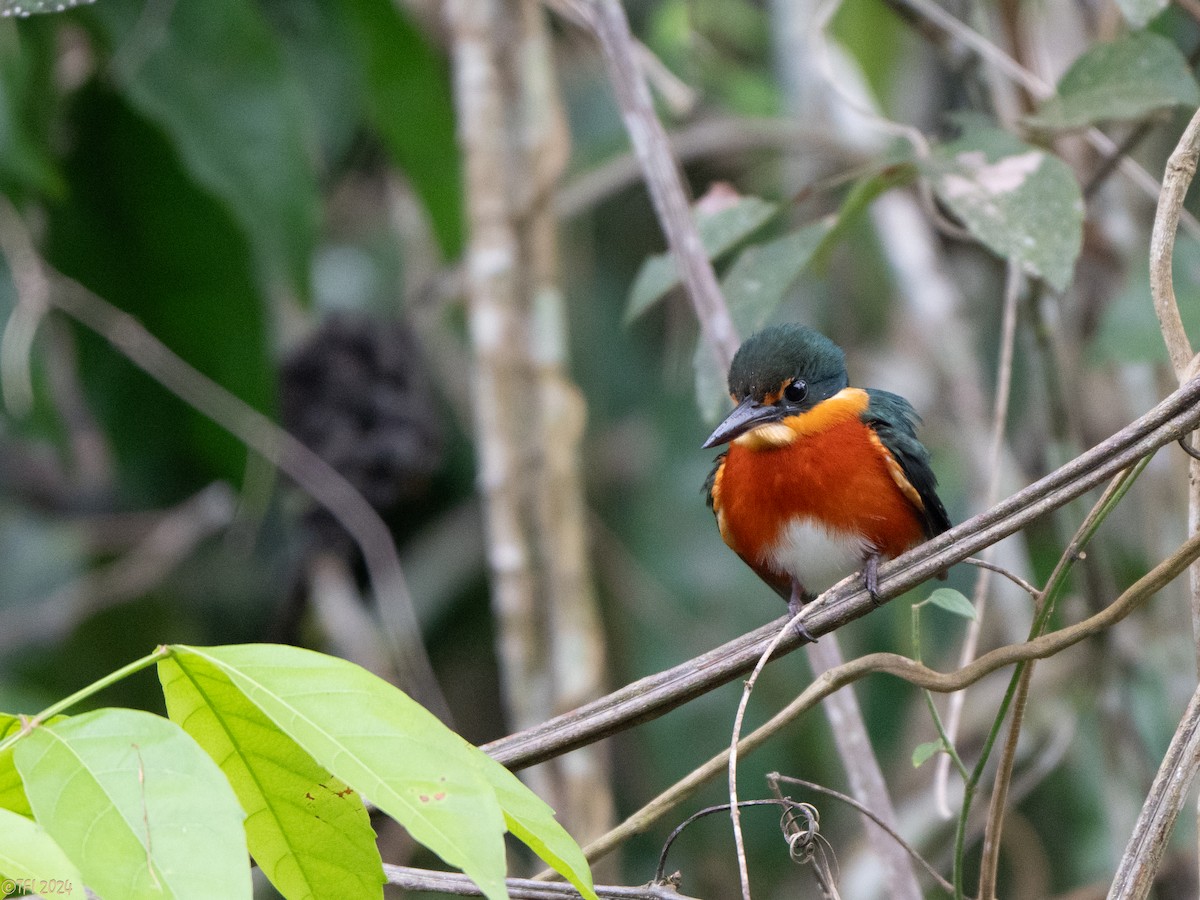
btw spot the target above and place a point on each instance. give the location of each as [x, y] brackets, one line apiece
[871, 578]
[795, 605]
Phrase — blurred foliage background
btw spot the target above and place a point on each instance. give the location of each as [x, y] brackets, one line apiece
[273, 188]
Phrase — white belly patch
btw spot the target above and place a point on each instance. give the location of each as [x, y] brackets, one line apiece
[816, 556]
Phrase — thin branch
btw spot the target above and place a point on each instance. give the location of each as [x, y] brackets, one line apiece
[654, 695]
[850, 801]
[1016, 579]
[519, 888]
[1181, 167]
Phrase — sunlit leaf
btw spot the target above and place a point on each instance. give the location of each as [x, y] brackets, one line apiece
[309, 833]
[952, 601]
[1125, 79]
[380, 742]
[720, 232]
[1019, 201]
[28, 852]
[136, 805]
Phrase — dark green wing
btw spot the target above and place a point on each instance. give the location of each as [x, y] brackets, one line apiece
[895, 421]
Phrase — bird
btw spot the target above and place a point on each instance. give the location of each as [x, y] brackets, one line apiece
[819, 480]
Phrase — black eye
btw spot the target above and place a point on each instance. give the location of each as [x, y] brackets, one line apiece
[795, 392]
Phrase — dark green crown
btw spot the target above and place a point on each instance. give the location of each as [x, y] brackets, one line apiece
[772, 356]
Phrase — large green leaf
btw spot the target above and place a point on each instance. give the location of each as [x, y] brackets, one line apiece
[410, 105]
[136, 805]
[1125, 79]
[212, 77]
[380, 742]
[720, 232]
[1019, 201]
[12, 791]
[141, 233]
[309, 832]
[30, 856]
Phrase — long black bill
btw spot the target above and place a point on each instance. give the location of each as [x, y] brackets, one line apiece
[746, 415]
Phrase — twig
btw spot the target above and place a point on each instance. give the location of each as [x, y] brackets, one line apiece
[519, 888]
[1016, 579]
[660, 872]
[1181, 166]
[654, 695]
[850, 801]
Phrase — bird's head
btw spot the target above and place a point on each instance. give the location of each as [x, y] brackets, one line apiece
[781, 371]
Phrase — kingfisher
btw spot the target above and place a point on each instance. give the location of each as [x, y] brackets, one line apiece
[820, 479]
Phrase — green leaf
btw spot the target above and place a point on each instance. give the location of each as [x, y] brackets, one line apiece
[922, 753]
[1138, 12]
[532, 822]
[720, 232]
[308, 831]
[410, 105]
[1019, 201]
[213, 79]
[380, 742]
[136, 805]
[1125, 79]
[952, 601]
[12, 789]
[28, 852]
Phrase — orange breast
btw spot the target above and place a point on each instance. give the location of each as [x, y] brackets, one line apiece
[838, 476]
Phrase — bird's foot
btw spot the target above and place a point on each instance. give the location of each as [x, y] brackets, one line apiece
[795, 604]
[871, 577]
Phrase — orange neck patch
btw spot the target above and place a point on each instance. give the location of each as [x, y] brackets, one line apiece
[848, 403]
